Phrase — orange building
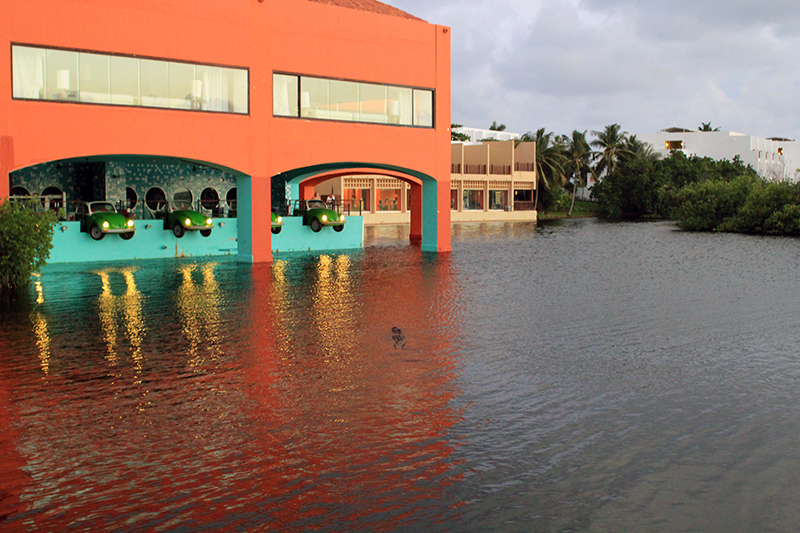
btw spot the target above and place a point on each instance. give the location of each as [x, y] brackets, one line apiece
[277, 95]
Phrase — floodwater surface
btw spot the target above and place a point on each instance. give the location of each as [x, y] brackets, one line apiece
[575, 376]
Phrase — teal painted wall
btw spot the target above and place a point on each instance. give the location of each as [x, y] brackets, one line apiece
[72, 246]
[294, 237]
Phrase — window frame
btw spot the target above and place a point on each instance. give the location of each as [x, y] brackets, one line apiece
[298, 103]
[245, 70]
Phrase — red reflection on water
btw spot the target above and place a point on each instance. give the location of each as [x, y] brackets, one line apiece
[299, 413]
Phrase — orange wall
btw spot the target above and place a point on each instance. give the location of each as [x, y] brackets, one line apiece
[286, 35]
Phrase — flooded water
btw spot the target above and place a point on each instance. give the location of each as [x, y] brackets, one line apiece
[578, 376]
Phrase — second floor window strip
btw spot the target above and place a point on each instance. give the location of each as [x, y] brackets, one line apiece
[96, 78]
[352, 101]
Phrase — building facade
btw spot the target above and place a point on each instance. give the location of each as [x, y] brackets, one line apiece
[492, 181]
[217, 101]
[773, 158]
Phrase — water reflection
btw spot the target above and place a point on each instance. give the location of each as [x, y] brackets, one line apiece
[196, 395]
[198, 304]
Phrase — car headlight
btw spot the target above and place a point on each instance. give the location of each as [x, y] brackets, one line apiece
[130, 223]
[105, 225]
[280, 219]
[187, 222]
[341, 218]
[324, 218]
[209, 222]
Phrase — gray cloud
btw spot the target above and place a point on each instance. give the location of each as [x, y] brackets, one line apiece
[582, 64]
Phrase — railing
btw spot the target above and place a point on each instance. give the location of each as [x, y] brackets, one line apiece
[524, 167]
[500, 169]
[475, 169]
[455, 168]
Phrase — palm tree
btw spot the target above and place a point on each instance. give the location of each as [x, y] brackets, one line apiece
[578, 153]
[550, 162]
[611, 145]
[635, 149]
[706, 126]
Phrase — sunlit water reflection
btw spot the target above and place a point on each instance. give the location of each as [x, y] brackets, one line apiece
[578, 376]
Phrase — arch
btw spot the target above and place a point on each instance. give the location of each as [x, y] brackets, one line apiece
[429, 225]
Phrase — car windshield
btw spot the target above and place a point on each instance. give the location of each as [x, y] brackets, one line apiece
[181, 204]
[316, 204]
[98, 207]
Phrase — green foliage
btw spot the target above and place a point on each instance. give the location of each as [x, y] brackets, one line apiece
[631, 192]
[770, 208]
[458, 137]
[707, 205]
[25, 242]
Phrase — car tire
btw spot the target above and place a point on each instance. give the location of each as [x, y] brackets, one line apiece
[277, 230]
[338, 228]
[127, 236]
[96, 233]
[316, 225]
[205, 232]
[178, 230]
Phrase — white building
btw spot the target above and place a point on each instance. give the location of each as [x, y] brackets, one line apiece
[477, 134]
[772, 158]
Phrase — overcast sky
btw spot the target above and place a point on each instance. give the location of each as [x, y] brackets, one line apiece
[647, 65]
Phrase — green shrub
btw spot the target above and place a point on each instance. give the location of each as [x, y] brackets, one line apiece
[25, 241]
[763, 210]
[707, 205]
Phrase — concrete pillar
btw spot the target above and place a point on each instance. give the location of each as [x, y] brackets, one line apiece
[416, 213]
[6, 165]
[254, 219]
[435, 216]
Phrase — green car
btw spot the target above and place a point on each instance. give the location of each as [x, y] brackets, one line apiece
[316, 214]
[180, 218]
[100, 218]
[277, 224]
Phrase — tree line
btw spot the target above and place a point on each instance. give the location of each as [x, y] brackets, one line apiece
[634, 182]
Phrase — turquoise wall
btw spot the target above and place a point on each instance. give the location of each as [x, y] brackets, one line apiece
[72, 246]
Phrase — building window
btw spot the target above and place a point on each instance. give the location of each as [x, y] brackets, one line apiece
[674, 145]
[350, 101]
[96, 78]
[155, 199]
[356, 200]
[498, 200]
[388, 199]
[473, 200]
[454, 199]
[230, 199]
[131, 198]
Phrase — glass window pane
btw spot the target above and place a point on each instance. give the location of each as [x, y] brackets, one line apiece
[284, 95]
[238, 93]
[498, 199]
[314, 98]
[184, 92]
[400, 108]
[94, 78]
[373, 103]
[423, 108]
[210, 89]
[388, 199]
[356, 200]
[124, 80]
[343, 100]
[154, 83]
[473, 200]
[61, 75]
[28, 72]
